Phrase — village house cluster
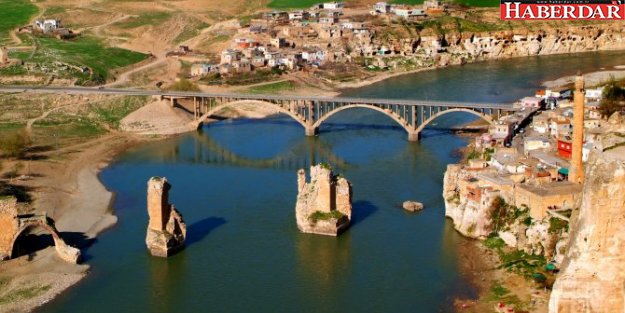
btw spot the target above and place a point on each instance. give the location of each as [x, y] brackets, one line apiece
[525, 158]
[293, 40]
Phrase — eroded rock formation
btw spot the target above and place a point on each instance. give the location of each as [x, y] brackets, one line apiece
[324, 206]
[593, 273]
[13, 224]
[166, 229]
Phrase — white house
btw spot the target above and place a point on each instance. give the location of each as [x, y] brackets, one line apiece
[594, 94]
[382, 7]
[534, 143]
[48, 25]
[333, 5]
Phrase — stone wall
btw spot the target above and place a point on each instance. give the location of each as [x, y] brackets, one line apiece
[326, 196]
[8, 226]
[592, 278]
[166, 229]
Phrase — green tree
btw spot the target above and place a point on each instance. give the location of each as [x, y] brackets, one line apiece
[613, 98]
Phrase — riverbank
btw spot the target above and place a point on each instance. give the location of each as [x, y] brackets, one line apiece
[70, 192]
[64, 183]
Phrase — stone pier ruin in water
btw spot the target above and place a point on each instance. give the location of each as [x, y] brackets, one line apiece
[324, 206]
[166, 229]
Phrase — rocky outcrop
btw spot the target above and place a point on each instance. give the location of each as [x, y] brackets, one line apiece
[412, 206]
[166, 229]
[324, 206]
[470, 219]
[475, 219]
[455, 48]
[592, 278]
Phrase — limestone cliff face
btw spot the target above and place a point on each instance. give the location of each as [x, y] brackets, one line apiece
[459, 48]
[324, 206]
[474, 219]
[166, 229]
[471, 220]
[593, 274]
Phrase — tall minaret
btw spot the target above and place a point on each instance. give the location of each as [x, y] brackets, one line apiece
[576, 171]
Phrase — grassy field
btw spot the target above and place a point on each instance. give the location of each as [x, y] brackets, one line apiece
[272, 87]
[14, 13]
[479, 3]
[85, 51]
[285, 4]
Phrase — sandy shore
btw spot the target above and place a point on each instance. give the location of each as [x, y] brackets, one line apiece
[592, 79]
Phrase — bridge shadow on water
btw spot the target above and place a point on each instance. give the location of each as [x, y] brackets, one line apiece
[200, 229]
[361, 210]
[337, 127]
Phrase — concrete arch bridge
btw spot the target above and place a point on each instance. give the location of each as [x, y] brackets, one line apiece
[412, 116]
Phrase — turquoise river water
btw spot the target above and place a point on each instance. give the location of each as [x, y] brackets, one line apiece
[235, 183]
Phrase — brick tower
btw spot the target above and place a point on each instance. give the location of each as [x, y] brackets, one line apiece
[576, 171]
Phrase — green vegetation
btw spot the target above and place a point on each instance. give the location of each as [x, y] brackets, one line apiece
[321, 216]
[13, 70]
[479, 3]
[14, 13]
[613, 99]
[23, 294]
[286, 4]
[84, 51]
[113, 114]
[151, 18]
[60, 127]
[272, 87]
[184, 85]
[557, 225]
[516, 261]
[499, 293]
[14, 144]
[504, 214]
[255, 77]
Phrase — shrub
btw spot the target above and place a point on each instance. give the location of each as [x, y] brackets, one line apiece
[184, 85]
[14, 144]
[322, 216]
[613, 97]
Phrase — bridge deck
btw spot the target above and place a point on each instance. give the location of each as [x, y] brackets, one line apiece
[343, 100]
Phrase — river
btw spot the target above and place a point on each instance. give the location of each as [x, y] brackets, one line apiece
[235, 184]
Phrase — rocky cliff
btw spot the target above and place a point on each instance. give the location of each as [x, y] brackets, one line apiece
[593, 274]
[324, 206]
[491, 215]
[452, 48]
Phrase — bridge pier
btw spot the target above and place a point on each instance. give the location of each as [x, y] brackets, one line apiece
[310, 131]
[414, 136]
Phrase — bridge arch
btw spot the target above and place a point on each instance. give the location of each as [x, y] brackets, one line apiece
[403, 123]
[441, 113]
[65, 251]
[271, 105]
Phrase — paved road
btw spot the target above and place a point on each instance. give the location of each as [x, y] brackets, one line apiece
[141, 92]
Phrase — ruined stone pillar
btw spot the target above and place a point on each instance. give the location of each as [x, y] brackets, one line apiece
[166, 229]
[576, 172]
[158, 203]
[324, 206]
